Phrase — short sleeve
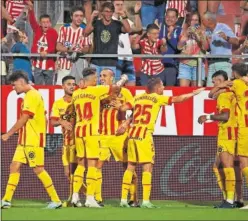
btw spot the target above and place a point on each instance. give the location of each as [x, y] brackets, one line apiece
[164, 100]
[127, 94]
[130, 104]
[229, 32]
[224, 103]
[55, 112]
[102, 90]
[61, 37]
[234, 86]
[30, 104]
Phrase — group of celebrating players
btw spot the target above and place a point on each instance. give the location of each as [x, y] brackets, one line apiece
[232, 146]
[98, 121]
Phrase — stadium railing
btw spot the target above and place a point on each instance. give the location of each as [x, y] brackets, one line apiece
[199, 58]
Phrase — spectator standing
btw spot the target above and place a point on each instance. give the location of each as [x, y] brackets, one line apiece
[151, 45]
[152, 10]
[18, 12]
[44, 42]
[181, 7]
[125, 64]
[106, 36]
[221, 38]
[192, 42]
[22, 63]
[71, 39]
[171, 32]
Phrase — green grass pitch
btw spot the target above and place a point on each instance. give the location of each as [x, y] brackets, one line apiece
[169, 210]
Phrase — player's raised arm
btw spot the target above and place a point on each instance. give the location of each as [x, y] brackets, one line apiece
[184, 97]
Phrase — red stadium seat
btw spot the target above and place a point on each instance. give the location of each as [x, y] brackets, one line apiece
[231, 7]
[227, 19]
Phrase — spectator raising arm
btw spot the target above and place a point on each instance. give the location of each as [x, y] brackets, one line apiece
[5, 14]
[126, 27]
[137, 27]
[90, 28]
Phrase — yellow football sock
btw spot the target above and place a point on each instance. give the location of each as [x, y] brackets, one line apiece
[71, 187]
[48, 184]
[245, 174]
[98, 193]
[230, 183]
[220, 181]
[78, 178]
[147, 184]
[91, 181]
[126, 183]
[11, 186]
[133, 187]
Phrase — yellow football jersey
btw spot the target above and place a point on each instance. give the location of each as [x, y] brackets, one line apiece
[111, 118]
[240, 89]
[34, 132]
[145, 111]
[86, 102]
[60, 111]
[226, 102]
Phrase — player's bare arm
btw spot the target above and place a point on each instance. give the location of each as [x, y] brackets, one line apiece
[219, 89]
[184, 97]
[18, 125]
[63, 123]
[223, 117]
[123, 127]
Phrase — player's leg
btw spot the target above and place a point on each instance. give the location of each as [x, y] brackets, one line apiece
[128, 174]
[242, 152]
[244, 169]
[47, 182]
[227, 159]
[147, 185]
[104, 156]
[13, 181]
[126, 182]
[78, 176]
[14, 176]
[118, 146]
[92, 145]
[65, 162]
[35, 157]
[239, 202]
[98, 192]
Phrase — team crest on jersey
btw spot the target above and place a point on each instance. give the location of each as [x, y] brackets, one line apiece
[68, 44]
[220, 149]
[31, 155]
[105, 36]
[42, 44]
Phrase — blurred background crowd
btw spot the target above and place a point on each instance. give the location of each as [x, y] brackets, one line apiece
[72, 28]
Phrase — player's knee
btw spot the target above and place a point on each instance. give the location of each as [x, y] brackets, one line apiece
[81, 161]
[147, 168]
[14, 167]
[99, 164]
[38, 170]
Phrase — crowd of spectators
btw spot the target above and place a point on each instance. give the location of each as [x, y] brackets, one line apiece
[151, 27]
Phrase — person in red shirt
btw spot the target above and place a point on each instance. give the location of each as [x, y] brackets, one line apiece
[44, 42]
[150, 44]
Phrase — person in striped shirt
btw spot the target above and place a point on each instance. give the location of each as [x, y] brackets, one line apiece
[71, 39]
[113, 142]
[44, 42]
[62, 116]
[151, 45]
[141, 150]
[86, 102]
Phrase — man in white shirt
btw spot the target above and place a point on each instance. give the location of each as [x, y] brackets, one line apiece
[125, 64]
